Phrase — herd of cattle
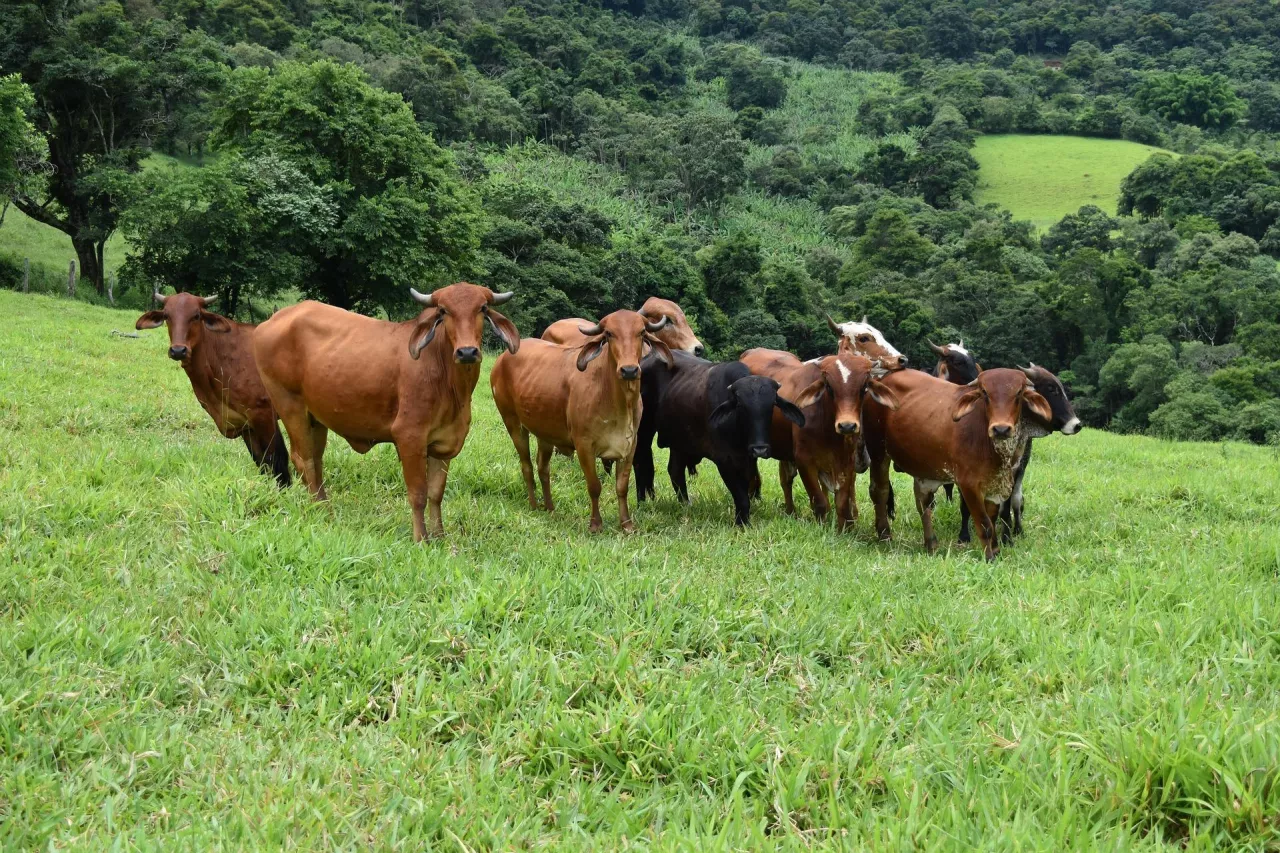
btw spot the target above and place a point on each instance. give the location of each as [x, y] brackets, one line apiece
[604, 390]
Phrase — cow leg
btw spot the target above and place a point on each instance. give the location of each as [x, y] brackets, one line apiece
[846, 502]
[880, 494]
[587, 461]
[817, 495]
[622, 482]
[676, 471]
[279, 456]
[982, 511]
[642, 467]
[545, 452]
[520, 438]
[308, 455]
[754, 484]
[787, 478]
[924, 504]
[413, 465]
[964, 522]
[738, 481]
[437, 475]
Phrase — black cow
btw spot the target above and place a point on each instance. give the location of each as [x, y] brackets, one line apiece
[703, 410]
[1064, 421]
[958, 366]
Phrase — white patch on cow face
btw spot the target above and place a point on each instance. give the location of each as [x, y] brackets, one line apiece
[852, 330]
[1072, 427]
[958, 348]
[844, 371]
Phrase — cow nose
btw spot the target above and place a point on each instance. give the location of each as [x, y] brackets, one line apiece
[698, 350]
[178, 353]
[1073, 426]
[629, 372]
[467, 355]
[759, 451]
[847, 428]
[902, 361]
[1001, 431]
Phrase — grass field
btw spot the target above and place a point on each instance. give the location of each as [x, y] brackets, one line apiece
[190, 659]
[1043, 178]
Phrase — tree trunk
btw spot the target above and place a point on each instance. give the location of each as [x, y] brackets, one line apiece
[89, 253]
[71, 280]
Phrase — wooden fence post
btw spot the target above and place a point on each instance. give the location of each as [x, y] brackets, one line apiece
[26, 275]
[111, 288]
[71, 280]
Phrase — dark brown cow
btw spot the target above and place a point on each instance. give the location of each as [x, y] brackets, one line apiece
[372, 381]
[583, 399]
[217, 355]
[825, 449]
[971, 435]
[676, 334]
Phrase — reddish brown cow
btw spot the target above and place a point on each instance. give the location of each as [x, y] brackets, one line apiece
[217, 355]
[583, 399]
[865, 339]
[971, 435]
[824, 450]
[676, 334]
[372, 381]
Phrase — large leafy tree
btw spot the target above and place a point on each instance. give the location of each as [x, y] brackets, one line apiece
[1191, 98]
[106, 86]
[21, 149]
[402, 214]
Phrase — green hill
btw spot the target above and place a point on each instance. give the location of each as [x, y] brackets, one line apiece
[1043, 178]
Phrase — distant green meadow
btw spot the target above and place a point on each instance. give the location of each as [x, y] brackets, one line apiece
[1043, 178]
[191, 659]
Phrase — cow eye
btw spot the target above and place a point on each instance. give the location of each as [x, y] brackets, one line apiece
[864, 339]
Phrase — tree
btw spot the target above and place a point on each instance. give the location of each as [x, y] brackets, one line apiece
[1088, 227]
[729, 267]
[1191, 98]
[708, 158]
[21, 149]
[402, 214]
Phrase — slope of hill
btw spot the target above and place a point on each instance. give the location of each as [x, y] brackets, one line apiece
[1043, 178]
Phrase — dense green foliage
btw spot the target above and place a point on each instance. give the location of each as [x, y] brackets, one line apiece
[193, 659]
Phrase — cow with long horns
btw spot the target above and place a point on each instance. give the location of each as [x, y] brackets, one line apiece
[373, 381]
[216, 353]
[583, 399]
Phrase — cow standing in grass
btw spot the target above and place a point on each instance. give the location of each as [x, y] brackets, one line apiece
[675, 333]
[373, 381]
[217, 355]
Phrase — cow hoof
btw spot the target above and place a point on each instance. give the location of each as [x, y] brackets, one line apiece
[932, 545]
[595, 526]
[628, 527]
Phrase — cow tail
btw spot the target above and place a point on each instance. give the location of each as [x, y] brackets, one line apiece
[278, 457]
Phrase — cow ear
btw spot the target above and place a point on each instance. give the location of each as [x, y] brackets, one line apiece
[424, 332]
[1038, 405]
[215, 322]
[883, 394]
[812, 394]
[790, 411]
[150, 320]
[591, 350]
[722, 415]
[505, 329]
[967, 403]
[663, 351]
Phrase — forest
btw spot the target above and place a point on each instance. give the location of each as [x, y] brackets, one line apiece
[587, 156]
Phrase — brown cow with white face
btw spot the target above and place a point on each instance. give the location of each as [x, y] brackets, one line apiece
[866, 340]
[676, 333]
[583, 399]
[373, 381]
[972, 435]
[217, 355]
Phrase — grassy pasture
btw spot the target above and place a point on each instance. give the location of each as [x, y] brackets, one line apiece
[190, 659]
[1043, 178]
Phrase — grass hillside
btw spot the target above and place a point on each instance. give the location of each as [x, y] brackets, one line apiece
[1043, 178]
[191, 659]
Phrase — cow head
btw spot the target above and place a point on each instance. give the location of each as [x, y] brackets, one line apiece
[456, 314]
[187, 320]
[955, 363]
[1007, 393]
[846, 382]
[748, 413]
[624, 334]
[676, 335]
[1047, 385]
[865, 339]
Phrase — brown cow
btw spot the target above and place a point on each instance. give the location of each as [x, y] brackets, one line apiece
[217, 355]
[676, 334]
[372, 381]
[865, 339]
[825, 449]
[583, 399]
[971, 435]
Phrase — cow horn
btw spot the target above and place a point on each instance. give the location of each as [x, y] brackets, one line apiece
[426, 299]
[502, 298]
[658, 326]
[158, 296]
[835, 329]
[205, 300]
[592, 331]
[864, 319]
[941, 351]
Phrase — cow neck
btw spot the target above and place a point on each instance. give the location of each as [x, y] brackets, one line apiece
[624, 394]
[206, 367]
[458, 380]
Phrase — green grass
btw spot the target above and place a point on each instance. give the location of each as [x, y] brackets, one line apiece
[190, 659]
[1043, 178]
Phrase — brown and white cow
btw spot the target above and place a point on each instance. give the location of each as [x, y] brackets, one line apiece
[866, 340]
[676, 333]
[955, 363]
[217, 355]
[825, 448]
[971, 435]
[582, 399]
[373, 381]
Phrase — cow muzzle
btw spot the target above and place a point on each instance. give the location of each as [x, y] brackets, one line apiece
[179, 353]
[698, 350]
[630, 372]
[848, 427]
[759, 451]
[1000, 431]
[1072, 427]
[466, 355]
